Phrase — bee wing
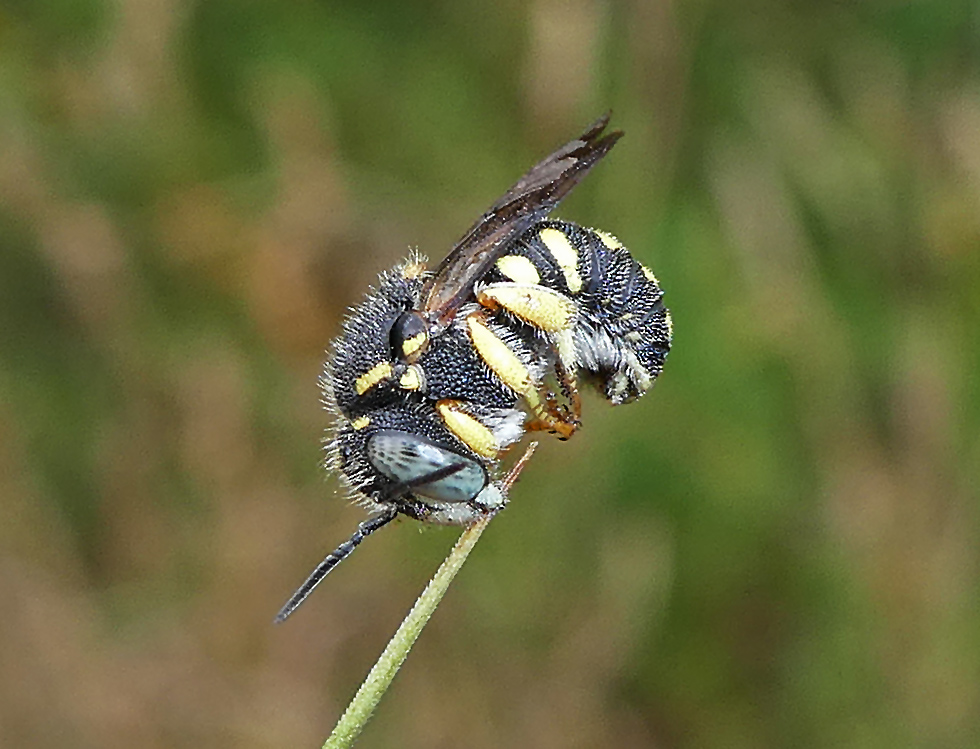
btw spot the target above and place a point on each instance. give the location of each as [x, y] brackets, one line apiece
[527, 202]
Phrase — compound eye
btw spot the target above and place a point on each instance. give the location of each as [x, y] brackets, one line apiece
[409, 337]
[425, 468]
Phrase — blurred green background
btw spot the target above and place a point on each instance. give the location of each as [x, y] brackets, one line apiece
[777, 547]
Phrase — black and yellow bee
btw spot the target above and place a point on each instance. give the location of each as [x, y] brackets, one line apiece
[437, 373]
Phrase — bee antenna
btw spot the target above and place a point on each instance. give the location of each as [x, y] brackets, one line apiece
[334, 558]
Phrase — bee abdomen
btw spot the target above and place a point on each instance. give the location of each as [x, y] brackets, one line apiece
[622, 332]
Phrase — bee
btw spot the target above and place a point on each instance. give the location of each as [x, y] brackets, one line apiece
[437, 374]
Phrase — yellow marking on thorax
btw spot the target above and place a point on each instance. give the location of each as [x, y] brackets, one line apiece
[372, 377]
[360, 422]
[542, 307]
[468, 428]
[609, 240]
[565, 255]
[498, 356]
[410, 379]
[413, 344]
[518, 268]
[649, 274]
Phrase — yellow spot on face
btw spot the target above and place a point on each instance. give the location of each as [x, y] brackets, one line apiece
[565, 255]
[609, 240]
[518, 268]
[360, 422]
[543, 308]
[410, 380]
[649, 274]
[469, 429]
[372, 377]
[499, 357]
[414, 343]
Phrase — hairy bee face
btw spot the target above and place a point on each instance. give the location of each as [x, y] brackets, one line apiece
[437, 374]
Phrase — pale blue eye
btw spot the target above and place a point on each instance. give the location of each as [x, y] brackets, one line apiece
[409, 459]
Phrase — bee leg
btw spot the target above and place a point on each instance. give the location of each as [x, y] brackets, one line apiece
[569, 386]
[568, 414]
[553, 313]
[514, 373]
[548, 416]
[553, 418]
[537, 305]
[565, 371]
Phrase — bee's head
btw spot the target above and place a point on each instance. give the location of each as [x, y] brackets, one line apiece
[371, 362]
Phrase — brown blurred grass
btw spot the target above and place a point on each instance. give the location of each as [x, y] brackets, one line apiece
[777, 547]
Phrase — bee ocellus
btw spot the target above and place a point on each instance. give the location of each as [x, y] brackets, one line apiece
[438, 373]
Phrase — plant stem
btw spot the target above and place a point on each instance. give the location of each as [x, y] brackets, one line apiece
[378, 680]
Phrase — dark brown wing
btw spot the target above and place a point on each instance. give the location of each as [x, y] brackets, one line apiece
[527, 202]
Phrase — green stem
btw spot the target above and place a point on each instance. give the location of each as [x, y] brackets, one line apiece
[359, 711]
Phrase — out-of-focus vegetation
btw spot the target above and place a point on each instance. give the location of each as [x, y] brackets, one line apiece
[777, 547]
